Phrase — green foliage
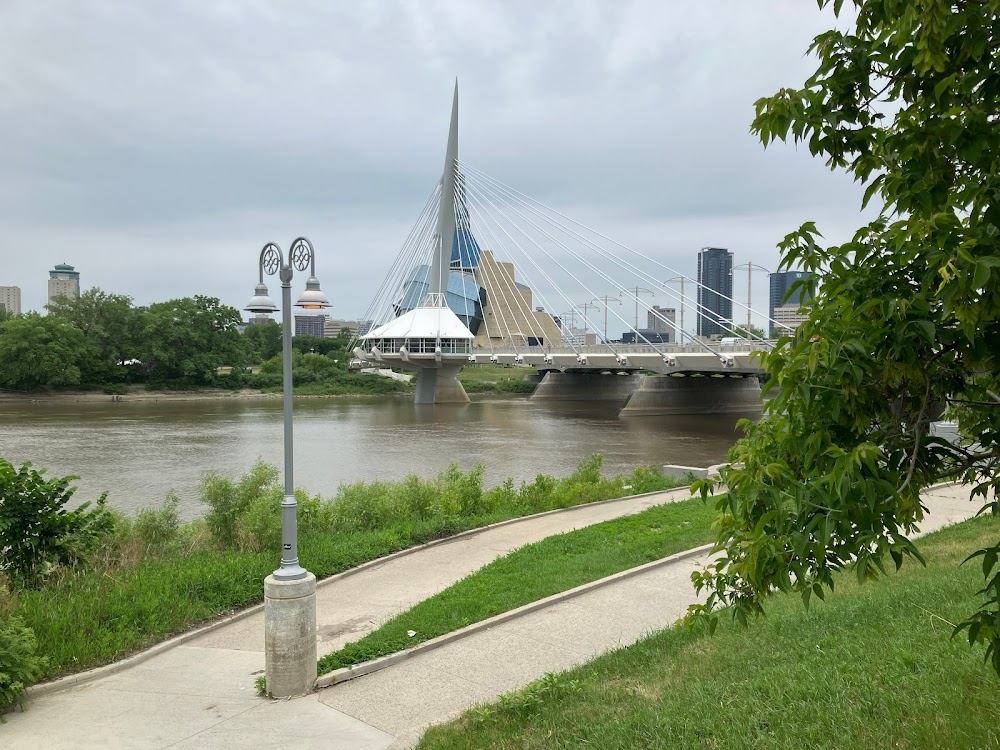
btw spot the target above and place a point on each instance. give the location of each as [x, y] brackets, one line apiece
[37, 532]
[188, 339]
[111, 327]
[322, 375]
[158, 527]
[229, 501]
[20, 664]
[906, 319]
[39, 352]
[335, 348]
[264, 339]
[497, 379]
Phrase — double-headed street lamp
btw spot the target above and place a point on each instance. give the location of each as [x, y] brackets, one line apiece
[289, 592]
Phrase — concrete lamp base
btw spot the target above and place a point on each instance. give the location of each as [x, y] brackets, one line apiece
[290, 636]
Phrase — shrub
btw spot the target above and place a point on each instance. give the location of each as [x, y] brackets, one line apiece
[36, 530]
[228, 501]
[20, 664]
[157, 527]
[461, 494]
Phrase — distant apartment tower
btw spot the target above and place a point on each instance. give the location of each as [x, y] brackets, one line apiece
[715, 290]
[663, 320]
[781, 282]
[10, 299]
[309, 325]
[64, 281]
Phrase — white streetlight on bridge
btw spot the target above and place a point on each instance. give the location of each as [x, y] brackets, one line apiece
[635, 291]
[290, 591]
[605, 300]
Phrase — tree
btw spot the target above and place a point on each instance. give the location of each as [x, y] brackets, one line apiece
[265, 339]
[186, 340]
[903, 321]
[110, 324]
[38, 352]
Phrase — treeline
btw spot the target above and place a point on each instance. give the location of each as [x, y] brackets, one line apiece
[102, 341]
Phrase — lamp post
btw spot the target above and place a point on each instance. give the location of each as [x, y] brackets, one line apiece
[606, 299]
[751, 267]
[681, 279]
[290, 591]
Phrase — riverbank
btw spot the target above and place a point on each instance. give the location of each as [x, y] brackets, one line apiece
[155, 577]
[137, 393]
[476, 379]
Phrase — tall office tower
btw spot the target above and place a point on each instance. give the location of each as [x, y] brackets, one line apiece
[10, 299]
[663, 320]
[715, 290]
[780, 283]
[64, 282]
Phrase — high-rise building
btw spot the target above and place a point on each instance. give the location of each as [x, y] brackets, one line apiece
[781, 282]
[309, 325]
[663, 320]
[64, 281]
[715, 290]
[10, 299]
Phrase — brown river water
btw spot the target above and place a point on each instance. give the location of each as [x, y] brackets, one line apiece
[140, 450]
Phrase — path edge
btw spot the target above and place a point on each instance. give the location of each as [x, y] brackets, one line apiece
[344, 674]
[107, 670]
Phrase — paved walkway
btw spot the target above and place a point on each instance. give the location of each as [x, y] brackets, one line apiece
[201, 695]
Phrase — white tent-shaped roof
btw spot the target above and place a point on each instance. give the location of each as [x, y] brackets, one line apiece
[430, 321]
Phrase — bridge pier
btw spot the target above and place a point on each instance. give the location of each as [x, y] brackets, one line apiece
[440, 385]
[685, 394]
[586, 386]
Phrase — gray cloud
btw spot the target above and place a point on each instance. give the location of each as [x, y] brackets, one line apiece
[157, 146]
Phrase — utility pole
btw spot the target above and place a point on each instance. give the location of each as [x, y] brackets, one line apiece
[750, 268]
[681, 279]
[606, 299]
[586, 321]
[635, 292]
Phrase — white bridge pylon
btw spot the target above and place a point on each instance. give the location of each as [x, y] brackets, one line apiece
[488, 274]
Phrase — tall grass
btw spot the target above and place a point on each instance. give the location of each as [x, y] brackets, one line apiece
[155, 577]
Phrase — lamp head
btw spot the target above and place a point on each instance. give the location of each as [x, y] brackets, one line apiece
[312, 298]
[261, 302]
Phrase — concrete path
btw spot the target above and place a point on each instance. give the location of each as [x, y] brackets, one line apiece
[200, 694]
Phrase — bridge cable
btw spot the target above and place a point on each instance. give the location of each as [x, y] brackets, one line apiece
[527, 200]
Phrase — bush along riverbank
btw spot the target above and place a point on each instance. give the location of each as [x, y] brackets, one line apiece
[93, 586]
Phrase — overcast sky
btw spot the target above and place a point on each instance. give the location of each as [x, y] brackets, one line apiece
[156, 146]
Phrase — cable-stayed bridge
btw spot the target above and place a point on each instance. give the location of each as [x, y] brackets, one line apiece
[485, 270]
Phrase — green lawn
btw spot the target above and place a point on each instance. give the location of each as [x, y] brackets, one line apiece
[872, 667]
[497, 378]
[536, 571]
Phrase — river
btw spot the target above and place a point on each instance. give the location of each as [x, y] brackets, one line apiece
[140, 450]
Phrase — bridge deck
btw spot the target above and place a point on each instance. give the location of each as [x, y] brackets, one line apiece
[730, 359]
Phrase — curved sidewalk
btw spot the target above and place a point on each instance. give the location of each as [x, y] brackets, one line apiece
[200, 694]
